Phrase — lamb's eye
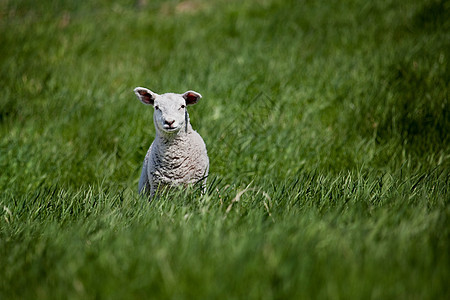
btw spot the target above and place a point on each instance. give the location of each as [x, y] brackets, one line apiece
[156, 107]
[183, 106]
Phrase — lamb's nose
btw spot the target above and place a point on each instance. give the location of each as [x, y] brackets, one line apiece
[169, 122]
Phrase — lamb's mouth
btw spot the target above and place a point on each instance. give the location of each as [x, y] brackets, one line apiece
[170, 128]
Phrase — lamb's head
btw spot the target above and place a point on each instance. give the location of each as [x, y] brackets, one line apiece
[170, 115]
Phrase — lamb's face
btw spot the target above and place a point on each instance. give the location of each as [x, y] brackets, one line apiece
[170, 114]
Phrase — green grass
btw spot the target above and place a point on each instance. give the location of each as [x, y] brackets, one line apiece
[326, 122]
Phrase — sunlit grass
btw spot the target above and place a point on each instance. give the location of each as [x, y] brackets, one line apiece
[326, 125]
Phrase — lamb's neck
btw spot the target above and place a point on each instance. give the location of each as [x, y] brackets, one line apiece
[174, 138]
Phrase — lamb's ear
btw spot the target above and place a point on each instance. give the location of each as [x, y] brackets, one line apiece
[191, 97]
[145, 95]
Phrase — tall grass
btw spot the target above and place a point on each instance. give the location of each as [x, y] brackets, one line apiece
[326, 123]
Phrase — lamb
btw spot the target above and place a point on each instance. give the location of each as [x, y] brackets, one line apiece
[177, 156]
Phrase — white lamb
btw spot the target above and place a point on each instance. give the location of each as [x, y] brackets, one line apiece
[178, 155]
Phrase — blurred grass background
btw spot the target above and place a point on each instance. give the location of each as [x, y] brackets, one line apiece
[326, 123]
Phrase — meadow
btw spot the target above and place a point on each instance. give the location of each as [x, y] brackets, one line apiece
[327, 127]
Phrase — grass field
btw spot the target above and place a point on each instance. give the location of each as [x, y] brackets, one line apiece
[327, 126]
